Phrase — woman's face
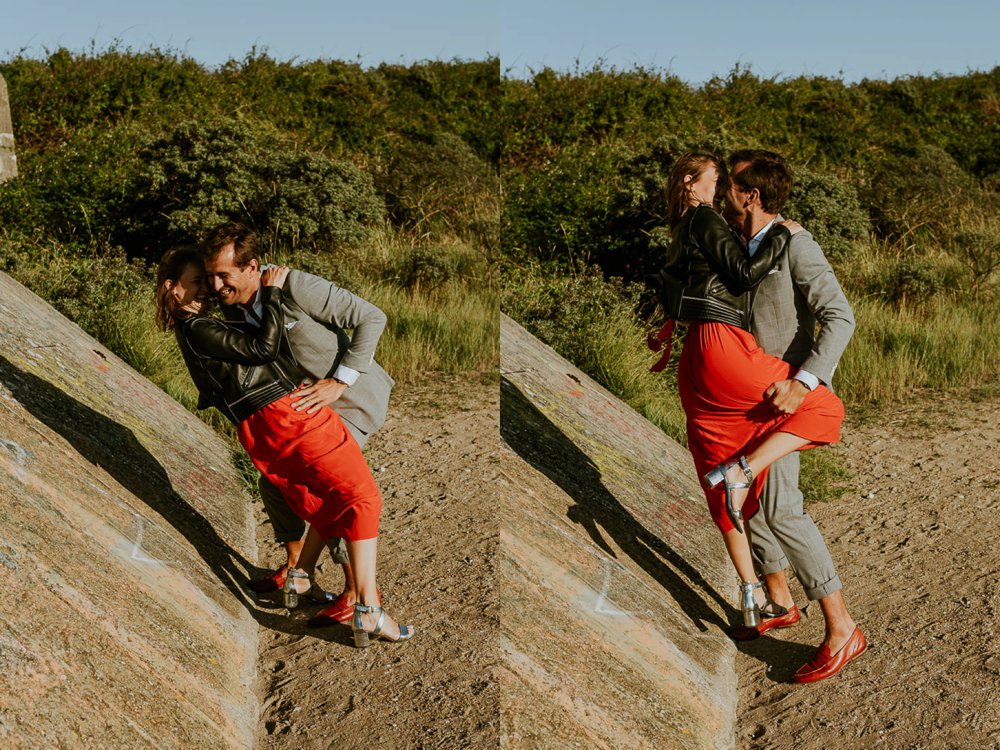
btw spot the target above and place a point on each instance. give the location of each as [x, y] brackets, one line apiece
[189, 291]
[702, 189]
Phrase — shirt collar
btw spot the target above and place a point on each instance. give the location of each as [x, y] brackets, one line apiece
[257, 307]
[755, 241]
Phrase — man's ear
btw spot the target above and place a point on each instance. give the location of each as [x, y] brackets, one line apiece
[752, 197]
[254, 265]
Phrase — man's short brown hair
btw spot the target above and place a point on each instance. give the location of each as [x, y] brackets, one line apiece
[241, 237]
[767, 172]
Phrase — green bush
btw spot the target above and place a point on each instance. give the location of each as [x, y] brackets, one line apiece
[918, 279]
[917, 191]
[77, 193]
[591, 205]
[979, 251]
[441, 185]
[829, 208]
[202, 174]
[429, 267]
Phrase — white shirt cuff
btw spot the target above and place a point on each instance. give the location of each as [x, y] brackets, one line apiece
[346, 374]
[809, 380]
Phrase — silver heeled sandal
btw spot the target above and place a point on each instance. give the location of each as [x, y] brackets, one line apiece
[364, 638]
[718, 475]
[748, 603]
[290, 591]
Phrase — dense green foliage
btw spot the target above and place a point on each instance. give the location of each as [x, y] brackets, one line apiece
[897, 180]
[586, 154]
[122, 154]
[139, 150]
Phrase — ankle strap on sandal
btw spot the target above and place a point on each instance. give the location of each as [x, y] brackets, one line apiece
[745, 465]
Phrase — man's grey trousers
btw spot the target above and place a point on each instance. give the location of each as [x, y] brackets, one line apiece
[783, 534]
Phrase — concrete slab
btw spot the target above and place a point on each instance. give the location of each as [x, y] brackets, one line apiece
[124, 538]
[616, 584]
[8, 159]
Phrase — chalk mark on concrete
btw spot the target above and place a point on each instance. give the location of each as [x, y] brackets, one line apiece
[602, 598]
[20, 454]
[137, 545]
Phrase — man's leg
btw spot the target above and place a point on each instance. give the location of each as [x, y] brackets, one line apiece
[768, 556]
[288, 527]
[782, 533]
[311, 549]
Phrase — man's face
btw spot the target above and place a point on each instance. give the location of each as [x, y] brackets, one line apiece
[737, 201]
[232, 284]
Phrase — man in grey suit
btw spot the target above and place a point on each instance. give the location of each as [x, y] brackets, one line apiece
[800, 292]
[342, 369]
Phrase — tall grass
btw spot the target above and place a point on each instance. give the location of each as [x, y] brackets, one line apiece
[448, 325]
[440, 297]
[593, 324]
[897, 348]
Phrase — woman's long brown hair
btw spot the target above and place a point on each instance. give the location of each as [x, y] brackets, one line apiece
[678, 193]
[171, 267]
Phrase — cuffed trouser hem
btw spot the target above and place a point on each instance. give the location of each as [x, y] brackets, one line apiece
[784, 536]
[812, 592]
[767, 568]
[823, 590]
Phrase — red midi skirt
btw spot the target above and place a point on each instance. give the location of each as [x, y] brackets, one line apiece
[722, 376]
[318, 467]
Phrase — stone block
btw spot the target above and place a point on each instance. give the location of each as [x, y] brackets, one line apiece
[125, 538]
[616, 584]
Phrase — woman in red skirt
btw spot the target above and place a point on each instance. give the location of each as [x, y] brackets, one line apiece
[250, 375]
[733, 433]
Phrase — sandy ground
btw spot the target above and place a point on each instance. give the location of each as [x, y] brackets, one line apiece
[436, 461]
[914, 538]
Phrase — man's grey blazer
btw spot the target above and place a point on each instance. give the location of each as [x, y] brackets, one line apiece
[799, 291]
[317, 312]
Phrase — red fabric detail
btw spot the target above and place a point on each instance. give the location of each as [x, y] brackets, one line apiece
[318, 467]
[722, 376]
[666, 333]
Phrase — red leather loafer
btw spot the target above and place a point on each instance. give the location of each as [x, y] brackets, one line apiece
[339, 611]
[269, 583]
[824, 664]
[744, 633]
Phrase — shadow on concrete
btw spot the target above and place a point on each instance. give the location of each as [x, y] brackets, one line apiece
[113, 447]
[543, 445]
[781, 657]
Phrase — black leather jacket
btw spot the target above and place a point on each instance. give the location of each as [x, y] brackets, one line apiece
[708, 272]
[239, 369]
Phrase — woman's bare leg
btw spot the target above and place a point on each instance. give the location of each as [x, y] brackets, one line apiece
[312, 546]
[738, 547]
[776, 446]
[362, 554]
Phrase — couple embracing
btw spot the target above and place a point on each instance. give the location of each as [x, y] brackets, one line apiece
[273, 366]
[754, 378]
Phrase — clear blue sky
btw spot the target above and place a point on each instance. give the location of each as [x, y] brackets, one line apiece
[213, 31]
[849, 38]
[852, 39]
